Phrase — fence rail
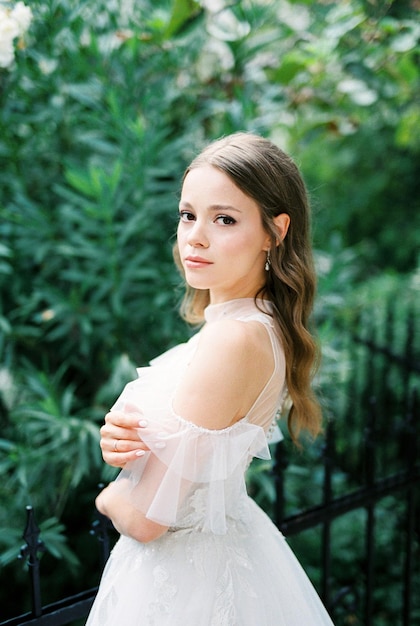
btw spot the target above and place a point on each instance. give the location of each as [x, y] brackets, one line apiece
[402, 482]
[62, 612]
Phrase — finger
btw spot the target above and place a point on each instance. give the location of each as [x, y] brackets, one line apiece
[116, 459]
[121, 442]
[124, 419]
[110, 433]
[121, 446]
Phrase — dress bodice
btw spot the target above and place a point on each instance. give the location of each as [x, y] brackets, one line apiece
[199, 471]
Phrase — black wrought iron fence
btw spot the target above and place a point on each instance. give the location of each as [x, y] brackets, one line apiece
[403, 485]
[69, 609]
[383, 407]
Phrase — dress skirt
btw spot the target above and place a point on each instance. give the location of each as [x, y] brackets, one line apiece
[246, 577]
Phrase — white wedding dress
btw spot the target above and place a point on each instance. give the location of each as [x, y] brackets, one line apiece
[222, 562]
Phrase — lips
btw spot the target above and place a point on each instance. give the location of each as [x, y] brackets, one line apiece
[196, 262]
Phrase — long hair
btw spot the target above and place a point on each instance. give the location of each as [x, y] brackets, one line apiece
[265, 173]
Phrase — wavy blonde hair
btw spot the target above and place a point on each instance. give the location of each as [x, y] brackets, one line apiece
[265, 173]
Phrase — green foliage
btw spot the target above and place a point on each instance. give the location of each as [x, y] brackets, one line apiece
[49, 446]
[104, 106]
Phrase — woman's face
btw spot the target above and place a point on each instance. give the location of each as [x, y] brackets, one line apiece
[221, 240]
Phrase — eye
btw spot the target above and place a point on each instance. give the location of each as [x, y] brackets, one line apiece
[225, 220]
[186, 216]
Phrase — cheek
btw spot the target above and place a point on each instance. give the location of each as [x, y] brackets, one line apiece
[242, 243]
[180, 235]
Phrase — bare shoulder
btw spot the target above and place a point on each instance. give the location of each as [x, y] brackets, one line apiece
[236, 338]
[232, 363]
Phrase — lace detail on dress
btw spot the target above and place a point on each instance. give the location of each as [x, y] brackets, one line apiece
[202, 429]
[106, 608]
[230, 569]
[165, 592]
[225, 613]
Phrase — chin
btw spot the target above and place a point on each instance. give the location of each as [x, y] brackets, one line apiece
[196, 284]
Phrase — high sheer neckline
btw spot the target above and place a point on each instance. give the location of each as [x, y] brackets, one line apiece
[237, 308]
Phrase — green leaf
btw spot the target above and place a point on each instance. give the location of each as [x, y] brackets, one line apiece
[291, 64]
[183, 12]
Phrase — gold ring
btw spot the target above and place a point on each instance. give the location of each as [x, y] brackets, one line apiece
[115, 445]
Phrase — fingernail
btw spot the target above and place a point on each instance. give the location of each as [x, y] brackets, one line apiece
[143, 423]
[160, 444]
[140, 453]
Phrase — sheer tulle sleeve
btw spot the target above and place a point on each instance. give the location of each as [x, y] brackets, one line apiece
[184, 458]
[185, 461]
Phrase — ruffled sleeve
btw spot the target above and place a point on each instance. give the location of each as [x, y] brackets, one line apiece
[189, 470]
[185, 458]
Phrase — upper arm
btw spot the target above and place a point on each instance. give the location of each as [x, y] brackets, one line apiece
[232, 364]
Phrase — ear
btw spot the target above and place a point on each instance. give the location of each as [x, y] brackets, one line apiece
[282, 223]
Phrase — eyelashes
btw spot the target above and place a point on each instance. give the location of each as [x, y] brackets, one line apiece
[224, 220]
[184, 216]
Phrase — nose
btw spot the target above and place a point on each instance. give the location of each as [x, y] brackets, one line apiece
[197, 237]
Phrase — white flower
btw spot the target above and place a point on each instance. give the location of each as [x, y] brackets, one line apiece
[213, 6]
[216, 57]
[7, 52]
[22, 15]
[13, 23]
[47, 66]
[9, 28]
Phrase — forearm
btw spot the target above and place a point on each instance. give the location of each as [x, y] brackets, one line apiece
[128, 520]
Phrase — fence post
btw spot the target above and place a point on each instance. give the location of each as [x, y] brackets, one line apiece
[30, 553]
[280, 465]
[411, 448]
[370, 461]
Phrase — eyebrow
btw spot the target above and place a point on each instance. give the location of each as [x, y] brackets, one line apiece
[212, 207]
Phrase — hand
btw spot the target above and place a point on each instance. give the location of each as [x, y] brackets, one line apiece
[120, 437]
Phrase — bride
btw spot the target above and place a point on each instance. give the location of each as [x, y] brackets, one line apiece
[195, 550]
